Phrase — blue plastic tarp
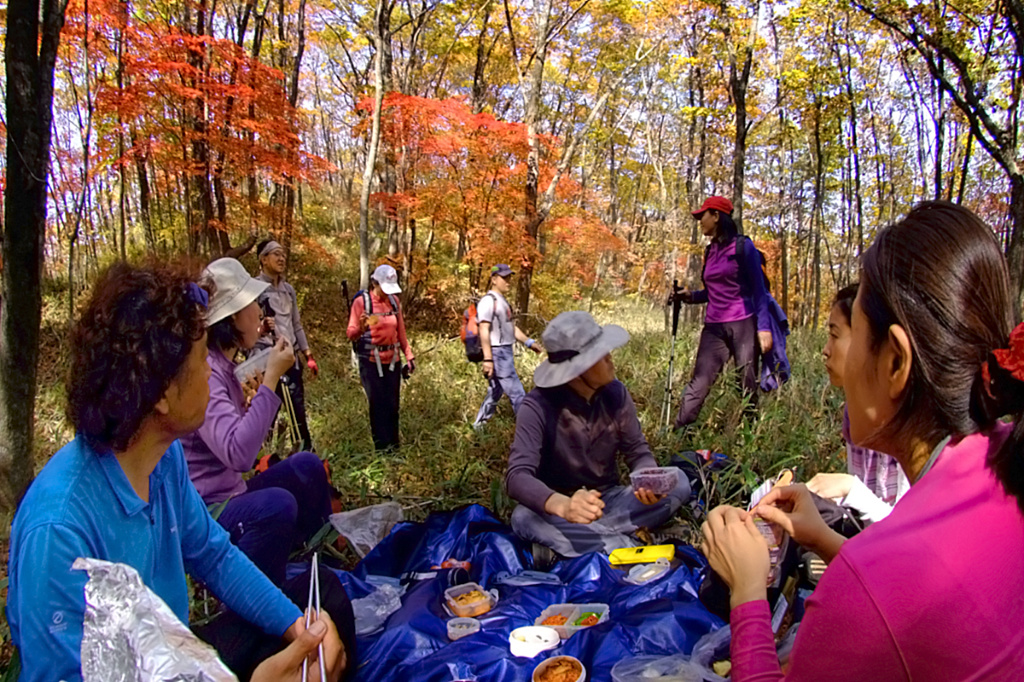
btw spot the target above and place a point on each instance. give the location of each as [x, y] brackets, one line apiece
[659, 618]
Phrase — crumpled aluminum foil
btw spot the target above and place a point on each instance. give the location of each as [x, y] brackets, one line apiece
[131, 635]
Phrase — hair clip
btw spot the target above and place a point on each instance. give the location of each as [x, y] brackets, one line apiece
[197, 294]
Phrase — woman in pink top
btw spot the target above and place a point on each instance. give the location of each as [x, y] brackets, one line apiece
[935, 591]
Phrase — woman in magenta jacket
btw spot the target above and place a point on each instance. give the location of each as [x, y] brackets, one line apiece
[935, 590]
[736, 321]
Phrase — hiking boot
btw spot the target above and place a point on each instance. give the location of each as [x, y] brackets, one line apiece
[543, 557]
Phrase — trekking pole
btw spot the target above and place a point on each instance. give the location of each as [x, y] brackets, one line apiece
[666, 407]
[348, 313]
[286, 393]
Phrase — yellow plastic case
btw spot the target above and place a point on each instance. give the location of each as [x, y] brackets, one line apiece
[642, 555]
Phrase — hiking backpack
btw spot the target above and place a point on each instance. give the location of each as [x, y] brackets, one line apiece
[469, 332]
[364, 347]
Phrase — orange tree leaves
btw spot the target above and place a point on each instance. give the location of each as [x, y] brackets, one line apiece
[463, 174]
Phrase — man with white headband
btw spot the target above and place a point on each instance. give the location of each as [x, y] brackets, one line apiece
[570, 430]
[281, 308]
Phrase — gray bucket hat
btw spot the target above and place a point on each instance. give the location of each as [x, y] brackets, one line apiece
[233, 289]
[575, 342]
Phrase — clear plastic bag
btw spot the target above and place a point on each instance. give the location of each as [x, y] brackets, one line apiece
[366, 526]
[373, 610]
[676, 668]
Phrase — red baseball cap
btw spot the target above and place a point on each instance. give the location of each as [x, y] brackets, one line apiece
[718, 203]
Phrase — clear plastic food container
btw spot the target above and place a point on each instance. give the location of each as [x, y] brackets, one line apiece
[468, 606]
[256, 363]
[573, 614]
[462, 627]
[659, 480]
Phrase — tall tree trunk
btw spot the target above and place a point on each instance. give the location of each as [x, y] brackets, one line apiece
[817, 217]
[381, 24]
[739, 77]
[30, 51]
[532, 91]
[483, 54]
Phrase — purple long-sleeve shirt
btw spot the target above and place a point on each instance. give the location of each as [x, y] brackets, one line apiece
[564, 443]
[229, 441]
[723, 292]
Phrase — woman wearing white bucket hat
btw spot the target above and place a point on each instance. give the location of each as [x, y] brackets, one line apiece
[376, 327]
[271, 513]
[570, 430]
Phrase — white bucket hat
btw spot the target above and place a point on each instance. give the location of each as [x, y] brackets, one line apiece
[575, 342]
[387, 278]
[233, 289]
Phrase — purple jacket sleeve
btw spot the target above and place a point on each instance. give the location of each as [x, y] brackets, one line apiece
[235, 436]
[758, 294]
[843, 636]
[521, 477]
[700, 296]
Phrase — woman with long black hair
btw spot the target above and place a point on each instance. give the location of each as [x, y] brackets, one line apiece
[736, 322]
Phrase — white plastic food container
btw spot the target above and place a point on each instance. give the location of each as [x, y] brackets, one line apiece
[530, 640]
[572, 613]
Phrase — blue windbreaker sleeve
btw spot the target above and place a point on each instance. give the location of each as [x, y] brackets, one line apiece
[209, 556]
[758, 294]
[46, 616]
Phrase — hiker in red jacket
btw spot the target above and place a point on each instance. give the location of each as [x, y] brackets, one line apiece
[377, 328]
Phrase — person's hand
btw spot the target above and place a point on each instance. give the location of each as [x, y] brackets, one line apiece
[682, 294]
[364, 322]
[280, 360]
[792, 508]
[646, 496]
[487, 367]
[585, 506]
[537, 348]
[286, 666]
[831, 486]
[411, 364]
[311, 363]
[737, 553]
[764, 339]
[268, 325]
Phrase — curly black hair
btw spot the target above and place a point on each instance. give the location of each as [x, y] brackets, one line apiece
[130, 342]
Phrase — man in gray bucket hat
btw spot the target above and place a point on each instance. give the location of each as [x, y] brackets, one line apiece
[570, 429]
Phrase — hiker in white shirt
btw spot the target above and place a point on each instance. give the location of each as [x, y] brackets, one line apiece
[498, 333]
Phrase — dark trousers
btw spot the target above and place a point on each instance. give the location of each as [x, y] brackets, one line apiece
[382, 393]
[243, 646]
[281, 508]
[718, 342]
[298, 395]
